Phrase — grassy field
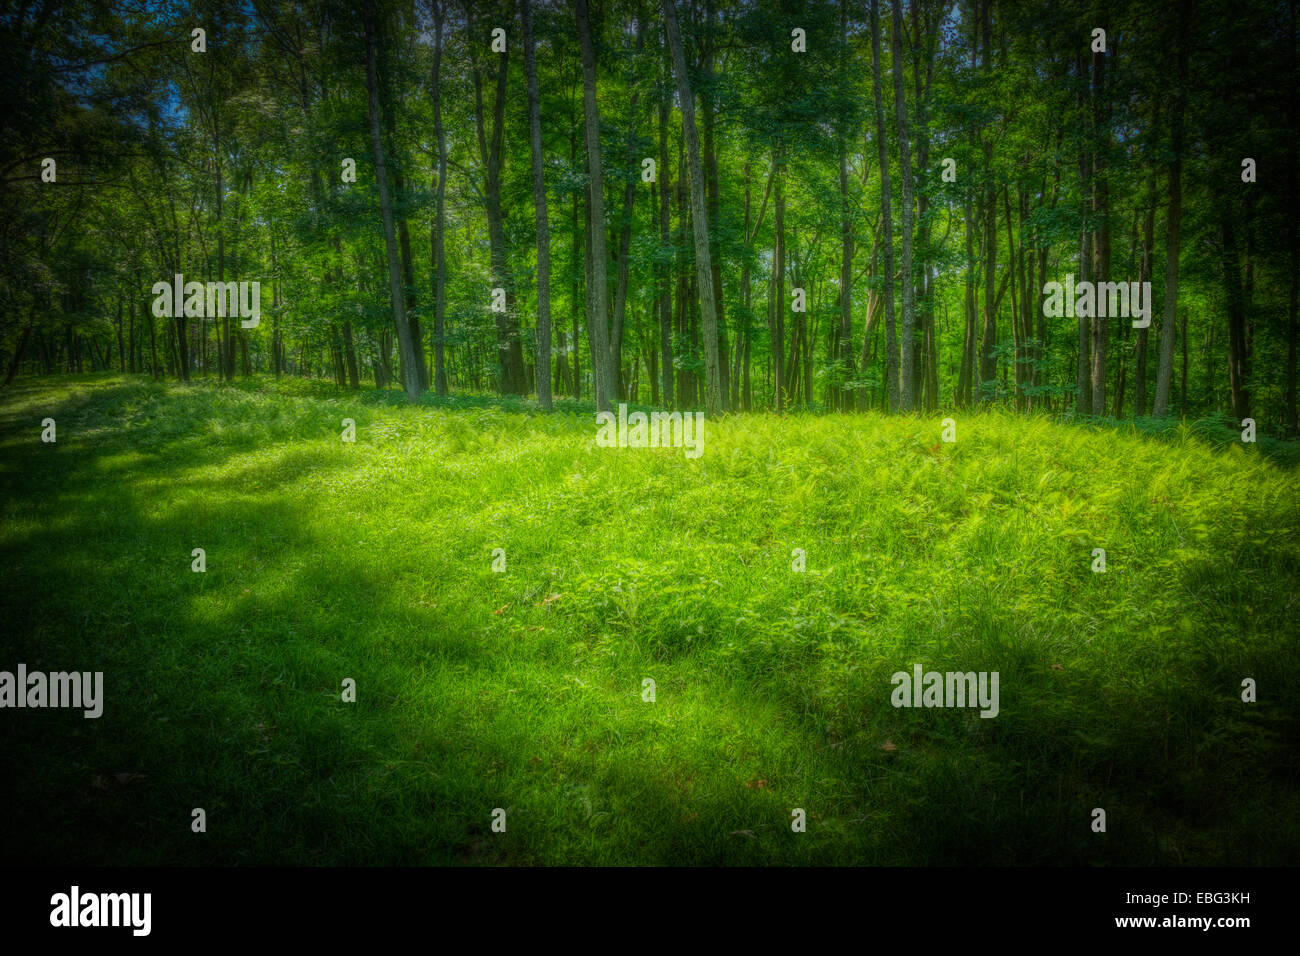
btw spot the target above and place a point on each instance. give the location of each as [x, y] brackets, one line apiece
[522, 689]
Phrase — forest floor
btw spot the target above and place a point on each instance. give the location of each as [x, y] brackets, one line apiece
[522, 689]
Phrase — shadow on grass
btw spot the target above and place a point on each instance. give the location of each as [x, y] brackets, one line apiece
[223, 692]
[222, 689]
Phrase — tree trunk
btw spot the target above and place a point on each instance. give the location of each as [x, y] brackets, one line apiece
[665, 270]
[967, 374]
[776, 310]
[908, 331]
[1101, 238]
[989, 335]
[711, 188]
[1293, 236]
[597, 291]
[1144, 275]
[539, 205]
[624, 244]
[1165, 370]
[1238, 338]
[715, 399]
[410, 367]
[510, 356]
[845, 351]
[891, 334]
[440, 213]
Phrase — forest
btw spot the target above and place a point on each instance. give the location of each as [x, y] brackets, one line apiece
[668, 432]
[720, 205]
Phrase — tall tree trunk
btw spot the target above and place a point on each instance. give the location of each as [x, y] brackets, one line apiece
[1238, 336]
[1183, 403]
[927, 33]
[1101, 214]
[410, 367]
[597, 286]
[408, 280]
[776, 311]
[711, 189]
[1165, 371]
[1293, 236]
[989, 334]
[665, 271]
[1084, 354]
[22, 343]
[578, 265]
[891, 334]
[539, 204]
[751, 231]
[625, 240]
[153, 345]
[967, 374]
[908, 331]
[845, 351]
[510, 356]
[715, 400]
[440, 211]
[131, 364]
[1144, 275]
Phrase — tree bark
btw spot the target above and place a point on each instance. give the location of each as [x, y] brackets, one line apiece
[410, 368]
[510, 356]
[665, 271]
[1165, 370]
[908, 331]
[715, 400]
[597, 286]
[1101, 239]
[539, 205]
[1144, 275]
[891, 334]
[440, 211]
[776, 311]
[1238, 338]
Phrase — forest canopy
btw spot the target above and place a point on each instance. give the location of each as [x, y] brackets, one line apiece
[1075, 207]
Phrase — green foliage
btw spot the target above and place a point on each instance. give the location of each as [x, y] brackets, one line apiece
[522, 689]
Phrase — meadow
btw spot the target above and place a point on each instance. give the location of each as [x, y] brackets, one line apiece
[522, 688]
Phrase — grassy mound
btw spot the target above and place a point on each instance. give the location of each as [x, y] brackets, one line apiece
[522, 689]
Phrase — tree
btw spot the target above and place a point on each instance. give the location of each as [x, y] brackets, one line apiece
[715, 398]
[510, 356]
[439, 228]
[1173, 225]
[539, 204]
[891, 340]
[410, 366]
[597, 292]
[908, 399]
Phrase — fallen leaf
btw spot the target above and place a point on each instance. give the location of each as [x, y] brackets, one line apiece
[502, 608]
[1057, 667]
[757, 784]
[888, 745]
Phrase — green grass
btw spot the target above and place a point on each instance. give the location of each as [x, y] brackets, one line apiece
[522, 689]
